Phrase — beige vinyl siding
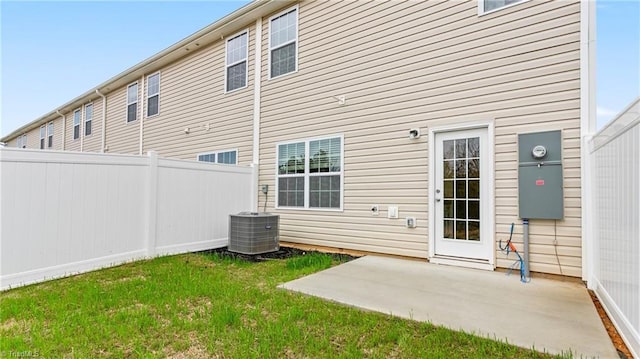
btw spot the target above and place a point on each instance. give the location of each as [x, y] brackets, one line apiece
[192, 95]
[122, 136]
[33, 138]
[92, 142]
[405, 65]
[14, 142]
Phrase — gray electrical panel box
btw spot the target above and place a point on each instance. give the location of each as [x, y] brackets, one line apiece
[540, 194]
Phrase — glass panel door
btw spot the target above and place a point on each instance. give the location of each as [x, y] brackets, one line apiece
[460, 195]
[461, 182]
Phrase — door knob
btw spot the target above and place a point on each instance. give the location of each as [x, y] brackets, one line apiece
[438, 195]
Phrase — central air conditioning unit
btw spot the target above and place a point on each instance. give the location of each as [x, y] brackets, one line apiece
[254, 233]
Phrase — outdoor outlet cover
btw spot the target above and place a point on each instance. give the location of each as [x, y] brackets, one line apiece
[393, 212]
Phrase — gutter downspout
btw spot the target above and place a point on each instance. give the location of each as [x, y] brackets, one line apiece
[141, 102]
[64, 128]
[257, 77]
[104, 119]
[82, 124]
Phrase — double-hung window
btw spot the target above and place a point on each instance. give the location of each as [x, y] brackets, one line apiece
[43, 135]
[309, 174]
[76, 124]
[50, 135]
[153, 95]
[88, 116]
[22, 141]
[226, 157]
[236, 68]
[493, 5]
[283, 43]
[132, 102]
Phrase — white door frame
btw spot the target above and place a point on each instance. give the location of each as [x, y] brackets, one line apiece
[489, 206]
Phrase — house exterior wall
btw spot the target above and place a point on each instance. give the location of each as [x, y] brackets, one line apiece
[400, 65]
[404, 65]
[121, 136]
[33, 138]
[93, 142]
[71, 144]
[192, 95]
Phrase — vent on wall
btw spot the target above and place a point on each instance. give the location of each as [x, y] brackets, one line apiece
[254, 233]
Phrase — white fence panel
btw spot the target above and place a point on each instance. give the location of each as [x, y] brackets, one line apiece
[66, 212]
[194, 203]
[615, 157]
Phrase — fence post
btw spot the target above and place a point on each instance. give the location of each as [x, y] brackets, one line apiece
[590, 254]
[152, 203]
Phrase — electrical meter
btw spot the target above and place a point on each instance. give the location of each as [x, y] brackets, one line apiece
[539, 151]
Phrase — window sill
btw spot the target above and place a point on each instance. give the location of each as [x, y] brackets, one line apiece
[310, 209]
[482, 13]
[283, 75]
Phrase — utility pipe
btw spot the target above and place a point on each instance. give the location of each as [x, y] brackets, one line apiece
[257, 77]
[525, 239]
[104, 119]
[64, 128]
[82, 129]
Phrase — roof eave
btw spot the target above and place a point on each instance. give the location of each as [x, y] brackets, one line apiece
[198, 40]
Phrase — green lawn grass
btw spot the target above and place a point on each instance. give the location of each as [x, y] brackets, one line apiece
[207, 306]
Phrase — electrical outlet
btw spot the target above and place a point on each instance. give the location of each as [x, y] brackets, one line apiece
[411, 222]
[375, 210]
[392, 212]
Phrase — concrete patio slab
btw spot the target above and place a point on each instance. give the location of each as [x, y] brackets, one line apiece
[545, 314]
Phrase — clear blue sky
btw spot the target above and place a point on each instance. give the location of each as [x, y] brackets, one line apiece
[52, 52]
[618, 56]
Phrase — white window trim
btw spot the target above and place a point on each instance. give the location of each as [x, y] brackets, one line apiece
[146, 109]
[43, 137]
[127, 103]
[246, 59]
[216, 153]
[482, 12]
[73, 132]
[50, 134]
[296, 7]
[307, 174]
[85, 120]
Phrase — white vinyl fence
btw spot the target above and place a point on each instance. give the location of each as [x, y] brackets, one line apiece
[66, 212]
[615, 175]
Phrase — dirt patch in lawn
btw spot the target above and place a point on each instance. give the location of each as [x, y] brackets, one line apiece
[618, 343]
